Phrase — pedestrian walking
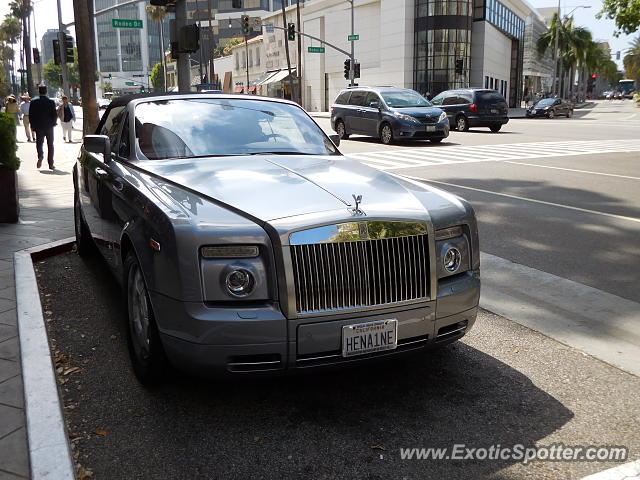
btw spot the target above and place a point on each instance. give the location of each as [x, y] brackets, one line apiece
[13, 109]
[24, 112]
[67, 116]
[42, 115]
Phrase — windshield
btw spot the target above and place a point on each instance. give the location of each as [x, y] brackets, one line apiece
[405, 98]
[545, 101]
[204, 127]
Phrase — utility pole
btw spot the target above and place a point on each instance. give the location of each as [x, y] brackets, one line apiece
[83, 12]
[63, 55]
[212, 46]
[246, 49]
[353, 58]
[300, 90]
[286, 46]
[199, 23]
[184, 67]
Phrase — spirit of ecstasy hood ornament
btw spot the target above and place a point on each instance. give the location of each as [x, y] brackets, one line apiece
[357, 210]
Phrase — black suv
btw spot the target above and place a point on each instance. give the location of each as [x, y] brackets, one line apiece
[388, 113]
[473, 107]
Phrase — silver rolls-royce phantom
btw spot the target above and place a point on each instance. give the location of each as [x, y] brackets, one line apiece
[246, 242]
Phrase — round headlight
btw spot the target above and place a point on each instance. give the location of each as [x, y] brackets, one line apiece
[451, 260]
[240, 282]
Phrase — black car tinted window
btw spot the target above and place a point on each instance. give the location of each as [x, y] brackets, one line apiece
[358, 98]
[113, 126]
[465, 97]
[492, 98]
[437, 100]
[451, 100]
[124, 149]
[343, 98]
[108, 122]
[225, 126]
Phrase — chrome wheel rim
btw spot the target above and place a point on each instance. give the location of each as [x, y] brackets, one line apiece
[386, 134]
[551, 114]
[139, 313]
[340, 128]
[462, 123]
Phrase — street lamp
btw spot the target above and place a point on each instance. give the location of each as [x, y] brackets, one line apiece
[555, 46]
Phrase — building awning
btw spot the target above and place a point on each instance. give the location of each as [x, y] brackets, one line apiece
[278, 76]
[238, 90]
[252, 89]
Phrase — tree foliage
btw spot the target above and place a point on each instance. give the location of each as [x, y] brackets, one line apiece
[632, 61]
[157, 76]
[626, 14]
[51, 72]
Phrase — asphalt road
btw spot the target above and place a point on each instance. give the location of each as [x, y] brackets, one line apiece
[573, 215]
[503, 384]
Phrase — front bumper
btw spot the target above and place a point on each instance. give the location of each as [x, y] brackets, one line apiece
[539, 113]
[409, 130]
[222, 341]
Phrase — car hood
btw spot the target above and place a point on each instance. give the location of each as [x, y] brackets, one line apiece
[419, 112]
[270, 187]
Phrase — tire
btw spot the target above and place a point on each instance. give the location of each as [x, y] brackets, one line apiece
[341, 130]
[551, 114]
[569, 113]
[386, 134]
[462, 124]
[145, 347]
[495, 128]
[84, 243]
[436, 140]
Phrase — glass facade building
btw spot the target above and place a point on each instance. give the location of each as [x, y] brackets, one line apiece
[442, 44]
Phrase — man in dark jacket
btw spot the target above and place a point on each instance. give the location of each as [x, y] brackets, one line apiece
[43, 117]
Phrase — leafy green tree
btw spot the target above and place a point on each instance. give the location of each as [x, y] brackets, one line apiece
[626, 14]
[52, 72]
[157, 76]
[107, 87]
[22, 10]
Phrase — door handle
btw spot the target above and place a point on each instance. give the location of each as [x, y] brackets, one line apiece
[118, 184]
[100, 172]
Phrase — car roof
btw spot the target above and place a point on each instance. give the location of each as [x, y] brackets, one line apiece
[376, 89]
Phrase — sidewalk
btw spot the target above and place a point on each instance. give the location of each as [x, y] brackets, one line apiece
[46, 214]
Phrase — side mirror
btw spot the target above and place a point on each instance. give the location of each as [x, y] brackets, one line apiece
[335, 139]
[375, 105]
[98, 144]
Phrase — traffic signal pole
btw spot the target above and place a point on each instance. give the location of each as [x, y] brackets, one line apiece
[353, 59]
[63, 53]
[184, 67]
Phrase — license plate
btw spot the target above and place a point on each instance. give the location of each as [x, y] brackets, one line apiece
[369, 337]
[493, 110]
[431, 128]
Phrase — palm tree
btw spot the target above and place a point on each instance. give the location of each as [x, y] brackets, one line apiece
[632, 61]
[158, 14]
[9, 34]
[22, 10]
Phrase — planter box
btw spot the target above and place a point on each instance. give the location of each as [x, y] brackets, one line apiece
[9, 206]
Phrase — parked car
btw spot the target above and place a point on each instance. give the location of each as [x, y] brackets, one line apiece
[473, 107]
[246, 242]
[551, 107]
[388, 113]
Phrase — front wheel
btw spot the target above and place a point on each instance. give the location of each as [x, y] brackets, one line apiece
[145, 348]
[569, 113]
[462, 124]
[495, 128]
[551, 114]
[84, 244]
[386, 134]
[341, 130]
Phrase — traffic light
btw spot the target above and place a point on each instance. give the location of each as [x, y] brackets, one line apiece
[142, 90]
[245, 24]
[347, 68]
[594, 75]
[68, 49]
[189, 40]
[56, 52]
[36, 55]
[459, 66]
[236, 3]
[356, 70]
[291, 31]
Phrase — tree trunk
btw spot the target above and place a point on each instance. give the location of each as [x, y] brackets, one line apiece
[83, 12]
[26, 43]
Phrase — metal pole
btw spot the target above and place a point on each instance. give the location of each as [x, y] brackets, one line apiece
[246, 49]
[555, 52]
[184, 67]
[199, 30]
[352, 66]
[164, 56]
[212, 46]
[300, 98]
[63, 63]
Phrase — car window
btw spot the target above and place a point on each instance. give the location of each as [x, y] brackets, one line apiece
[343, 98]
[451, 100]
[372, 97]
[358, 98]
[404, 99]
[111, 127]
[225, 126]
[465, 98]
[108, 122]
[124, 147]
[489, 98]
[545, 102]
[437, 100]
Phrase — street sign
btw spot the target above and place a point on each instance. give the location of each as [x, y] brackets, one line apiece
[257, 23]
[353, 37]
[130, 84]
[315, 49]
[268, 27]
[122, 23]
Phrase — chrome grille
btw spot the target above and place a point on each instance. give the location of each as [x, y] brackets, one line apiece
[343, 275]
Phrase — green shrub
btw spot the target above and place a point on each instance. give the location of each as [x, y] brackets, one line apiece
[8, 145]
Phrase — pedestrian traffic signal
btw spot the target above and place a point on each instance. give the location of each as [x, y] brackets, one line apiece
[36, 55]
[245, 25]
[68, 49]
[356, 70]
[236, 3]
[291, 31]
[56, 52]
[594, 75]
[459, 66]
[347, 68]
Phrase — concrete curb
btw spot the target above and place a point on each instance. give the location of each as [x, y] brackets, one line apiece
[49, 450]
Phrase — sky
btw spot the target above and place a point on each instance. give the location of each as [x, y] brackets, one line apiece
[46, 16]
